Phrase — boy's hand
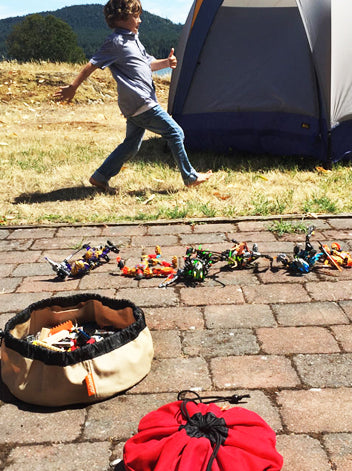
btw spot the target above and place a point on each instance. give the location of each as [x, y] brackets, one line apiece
[172, 59]
[65, 93]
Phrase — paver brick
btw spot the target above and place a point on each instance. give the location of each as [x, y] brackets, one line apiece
[324, 371]
[275, 293]
[219, 342]
[259, 372]
[96, 280]
[211, 295]
[317, 410]
[284, 340]
[4, 318]
[7, 245]
[9, 285]
[219, 276]
[7, 270]
[347, 308]
[339, 446]
[4, 233]
[107, 420]
[341, 224]
[38, 426]
[124, 230]
[33, 269]
[313, 313]
[252, 226]
[32, 233]
[217, 227]
[40, 284]
[330, 291]
[15, 302]
[149, 296]
[175, 374]
[61, 457]
[79, 231]
[343, 334]
[230, 316]
[12, 257]
[167, 318]
[281, 275]
[338, 234]
[195, 240]
[302, 453]
[167, 344]
[157, 230]
[152, 241]
[255, 237]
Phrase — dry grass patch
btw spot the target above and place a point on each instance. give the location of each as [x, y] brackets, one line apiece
[49, 150]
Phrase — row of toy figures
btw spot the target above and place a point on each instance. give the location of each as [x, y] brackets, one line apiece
[197, 262]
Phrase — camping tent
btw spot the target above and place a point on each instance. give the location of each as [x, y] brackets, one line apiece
[266, 76]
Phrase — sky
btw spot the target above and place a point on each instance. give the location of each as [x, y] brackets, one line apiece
[175, 10]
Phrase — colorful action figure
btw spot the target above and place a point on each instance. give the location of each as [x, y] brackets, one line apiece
[197, 262]
[303, 260]
[335, 256]
[196, 267]
[150, 266]
[240, 256]
[92, 258]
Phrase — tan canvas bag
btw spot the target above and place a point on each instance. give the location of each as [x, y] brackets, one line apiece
[94, 372]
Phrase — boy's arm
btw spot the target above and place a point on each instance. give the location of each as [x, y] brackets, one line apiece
[170, 61]
[69, 91]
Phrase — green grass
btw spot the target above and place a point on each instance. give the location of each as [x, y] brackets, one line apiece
[49, 150]
[281, 227]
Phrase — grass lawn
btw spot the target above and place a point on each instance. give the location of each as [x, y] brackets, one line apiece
[49, 150]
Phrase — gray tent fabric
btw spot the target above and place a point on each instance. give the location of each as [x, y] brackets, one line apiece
[328, 26]
[275, 74]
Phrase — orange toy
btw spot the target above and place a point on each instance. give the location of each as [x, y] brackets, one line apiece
[340, 257]
[150, 266]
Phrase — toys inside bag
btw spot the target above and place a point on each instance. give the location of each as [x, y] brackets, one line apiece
[75, 349]
[191, 435]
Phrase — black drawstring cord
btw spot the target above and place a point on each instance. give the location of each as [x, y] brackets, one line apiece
[209, 425]
[234, 399]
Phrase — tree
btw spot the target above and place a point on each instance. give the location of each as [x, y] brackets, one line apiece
[47, 38]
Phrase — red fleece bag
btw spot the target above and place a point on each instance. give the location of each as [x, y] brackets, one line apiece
[190, 436]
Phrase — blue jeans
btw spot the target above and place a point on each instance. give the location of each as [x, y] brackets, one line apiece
[156, 120]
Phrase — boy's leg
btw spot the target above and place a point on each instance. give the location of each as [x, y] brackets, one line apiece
[113, 163]
[159, 121]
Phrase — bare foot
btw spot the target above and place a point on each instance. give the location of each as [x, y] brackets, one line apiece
[202, 177]
[103, 186]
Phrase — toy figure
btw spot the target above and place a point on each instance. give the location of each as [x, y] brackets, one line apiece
[335, 256]
[240, 256]
[303, 259]
[92, 258]
[151, 266]
[196, 267]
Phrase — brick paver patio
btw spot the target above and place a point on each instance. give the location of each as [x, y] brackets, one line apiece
[285, 340]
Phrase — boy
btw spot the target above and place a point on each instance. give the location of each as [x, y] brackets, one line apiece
[132, 69]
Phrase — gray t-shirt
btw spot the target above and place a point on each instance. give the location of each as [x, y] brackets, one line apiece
[129, 63]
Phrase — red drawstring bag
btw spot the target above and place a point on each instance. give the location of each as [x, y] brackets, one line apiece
[191, 435]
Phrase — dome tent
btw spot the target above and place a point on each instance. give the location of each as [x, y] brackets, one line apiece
[266, 76]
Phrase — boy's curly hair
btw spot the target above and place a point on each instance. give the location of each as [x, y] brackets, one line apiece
[116, 10]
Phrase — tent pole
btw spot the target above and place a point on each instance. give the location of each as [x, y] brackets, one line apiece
[329, 156]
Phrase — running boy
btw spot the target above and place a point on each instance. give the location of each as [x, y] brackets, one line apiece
[132, 69]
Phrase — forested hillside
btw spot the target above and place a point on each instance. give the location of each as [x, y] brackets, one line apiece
[157, 34]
